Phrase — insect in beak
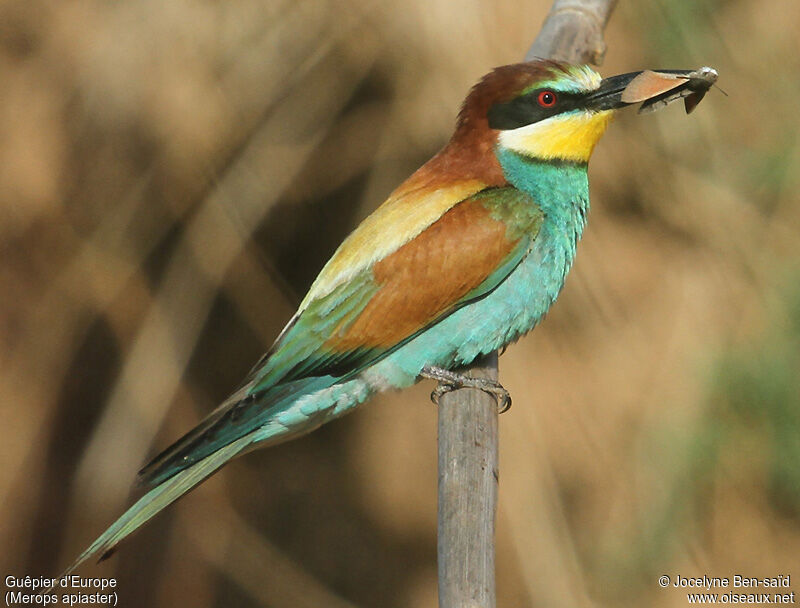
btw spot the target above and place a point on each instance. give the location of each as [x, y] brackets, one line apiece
[659, 89]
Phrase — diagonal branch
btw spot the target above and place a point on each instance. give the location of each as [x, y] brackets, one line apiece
[573, 32]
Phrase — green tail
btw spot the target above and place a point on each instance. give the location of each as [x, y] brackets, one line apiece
[229, 431]
[157, 499]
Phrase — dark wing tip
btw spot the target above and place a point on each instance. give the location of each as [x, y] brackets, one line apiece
[193, 446]
[106, 554]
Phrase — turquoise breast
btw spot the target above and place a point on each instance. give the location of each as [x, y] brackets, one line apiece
[562, 192]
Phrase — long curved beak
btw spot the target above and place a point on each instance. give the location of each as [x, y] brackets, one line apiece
[655, 89]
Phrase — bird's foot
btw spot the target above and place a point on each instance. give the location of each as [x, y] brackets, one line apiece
[451, 381]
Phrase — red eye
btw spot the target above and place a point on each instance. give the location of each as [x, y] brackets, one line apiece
[547, 99]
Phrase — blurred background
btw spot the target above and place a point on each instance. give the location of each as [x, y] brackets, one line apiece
[173, 176]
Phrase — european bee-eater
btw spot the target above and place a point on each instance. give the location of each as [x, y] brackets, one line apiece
[464, 257]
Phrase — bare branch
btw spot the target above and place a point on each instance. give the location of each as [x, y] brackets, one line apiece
[573, 32]
[468, 477]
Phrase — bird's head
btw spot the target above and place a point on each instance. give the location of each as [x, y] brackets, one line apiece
[543, 109]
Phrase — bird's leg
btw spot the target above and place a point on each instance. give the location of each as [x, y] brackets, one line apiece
[451, 381]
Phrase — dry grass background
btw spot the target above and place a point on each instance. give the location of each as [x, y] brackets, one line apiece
[173, 175]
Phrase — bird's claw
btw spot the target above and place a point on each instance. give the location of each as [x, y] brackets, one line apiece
[451, 381]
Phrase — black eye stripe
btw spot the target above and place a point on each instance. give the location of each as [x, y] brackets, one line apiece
[526, 110]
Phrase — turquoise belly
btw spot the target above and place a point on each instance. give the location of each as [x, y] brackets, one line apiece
[520, 302]
[510, 311]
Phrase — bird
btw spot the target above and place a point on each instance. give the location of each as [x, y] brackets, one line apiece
[464, 257]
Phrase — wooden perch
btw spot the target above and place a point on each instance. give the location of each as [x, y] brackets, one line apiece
[468, 441]
[468, 492]
[573, 32]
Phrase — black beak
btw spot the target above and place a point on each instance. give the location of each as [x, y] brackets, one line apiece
[655, 89]
[608, 96]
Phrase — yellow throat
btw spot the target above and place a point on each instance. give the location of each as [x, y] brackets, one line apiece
[571, 137]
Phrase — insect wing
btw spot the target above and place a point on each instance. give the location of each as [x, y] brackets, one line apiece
[651, 84]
